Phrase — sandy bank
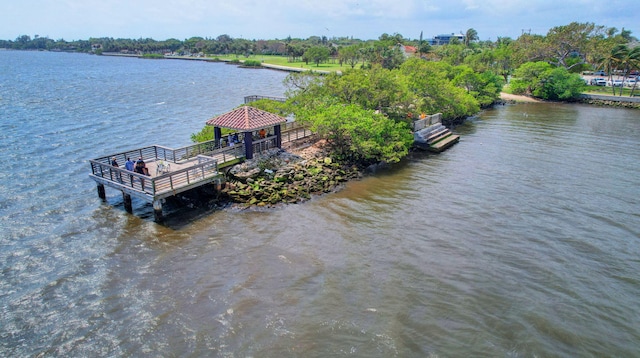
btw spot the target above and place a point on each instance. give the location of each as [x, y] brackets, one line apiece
[517, 98]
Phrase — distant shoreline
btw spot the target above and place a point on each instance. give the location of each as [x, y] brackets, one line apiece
[209, 59]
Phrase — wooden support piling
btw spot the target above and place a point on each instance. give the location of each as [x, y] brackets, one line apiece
[101, 192]
[157, 210]
[127, 202]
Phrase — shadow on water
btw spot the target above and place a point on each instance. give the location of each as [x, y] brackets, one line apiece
[182, 210]
[179, 211]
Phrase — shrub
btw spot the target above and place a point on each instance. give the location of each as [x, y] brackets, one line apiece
[152, 55]
[252, 63]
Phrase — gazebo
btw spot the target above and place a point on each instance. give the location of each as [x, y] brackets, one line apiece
[247, 119]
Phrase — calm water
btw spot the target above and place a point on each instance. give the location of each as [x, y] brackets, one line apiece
[522, 240]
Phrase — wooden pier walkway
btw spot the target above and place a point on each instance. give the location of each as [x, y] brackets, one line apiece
[173, 171]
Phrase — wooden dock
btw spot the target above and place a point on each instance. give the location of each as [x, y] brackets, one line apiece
[173, 171]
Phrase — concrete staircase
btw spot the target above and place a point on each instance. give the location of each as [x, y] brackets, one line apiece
[435, 138]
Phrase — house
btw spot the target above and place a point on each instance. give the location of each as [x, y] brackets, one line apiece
[408, 51]
[445, 39]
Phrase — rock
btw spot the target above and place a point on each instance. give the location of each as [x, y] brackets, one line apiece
[280, 177]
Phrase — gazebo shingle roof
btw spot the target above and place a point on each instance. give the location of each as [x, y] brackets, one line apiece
[246, 119]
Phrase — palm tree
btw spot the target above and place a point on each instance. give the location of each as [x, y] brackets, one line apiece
[470, 36]
[629, 62]
[612, 62]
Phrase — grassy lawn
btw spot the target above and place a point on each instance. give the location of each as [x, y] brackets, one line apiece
[284, 61]
[608, 91]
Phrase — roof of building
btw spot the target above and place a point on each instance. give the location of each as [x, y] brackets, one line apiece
[410, 49]
[246, 118]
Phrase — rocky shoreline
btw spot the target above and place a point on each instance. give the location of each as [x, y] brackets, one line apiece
[610, 103]
[277, 176]
[273, 178]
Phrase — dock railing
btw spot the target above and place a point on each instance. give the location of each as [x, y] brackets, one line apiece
[195, 163]
[203, 168]
[262, 145]
[253, 98]
[293, 131]
[158, 152]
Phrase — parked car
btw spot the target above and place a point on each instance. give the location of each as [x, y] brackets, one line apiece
[600, 73]
[614, 83]
[630, 82]
[598, 82]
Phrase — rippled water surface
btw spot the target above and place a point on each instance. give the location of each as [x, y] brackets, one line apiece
[521, 240]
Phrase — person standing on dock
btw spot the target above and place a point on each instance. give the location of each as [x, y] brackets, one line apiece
[141, 168]
[114, 163]
[129, 165]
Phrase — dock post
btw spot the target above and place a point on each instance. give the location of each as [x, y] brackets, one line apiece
[248, 145]
[278, 132]
[127, 202]
[157, 210]
[101, 192]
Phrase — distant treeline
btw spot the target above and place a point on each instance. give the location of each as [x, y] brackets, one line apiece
[571, 48]
[223, 44]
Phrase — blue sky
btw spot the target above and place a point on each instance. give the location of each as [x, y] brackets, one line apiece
[277, 19]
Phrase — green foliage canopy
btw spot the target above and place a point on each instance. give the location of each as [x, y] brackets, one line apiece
[357, 134]
[316, 54]
[542, 80]
[430, 83]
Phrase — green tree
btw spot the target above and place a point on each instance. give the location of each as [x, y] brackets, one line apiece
[454, 54]
[569, 46]
[430, 83]
[375, 89]
[526, 77]
[391, 57]
[629, 60]
[350, 55]
[470, 36]
[316, 54]
[356, 134]
[541, 80]
[424, 48]
[484, 87]
[559, 84]
[613, 61]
